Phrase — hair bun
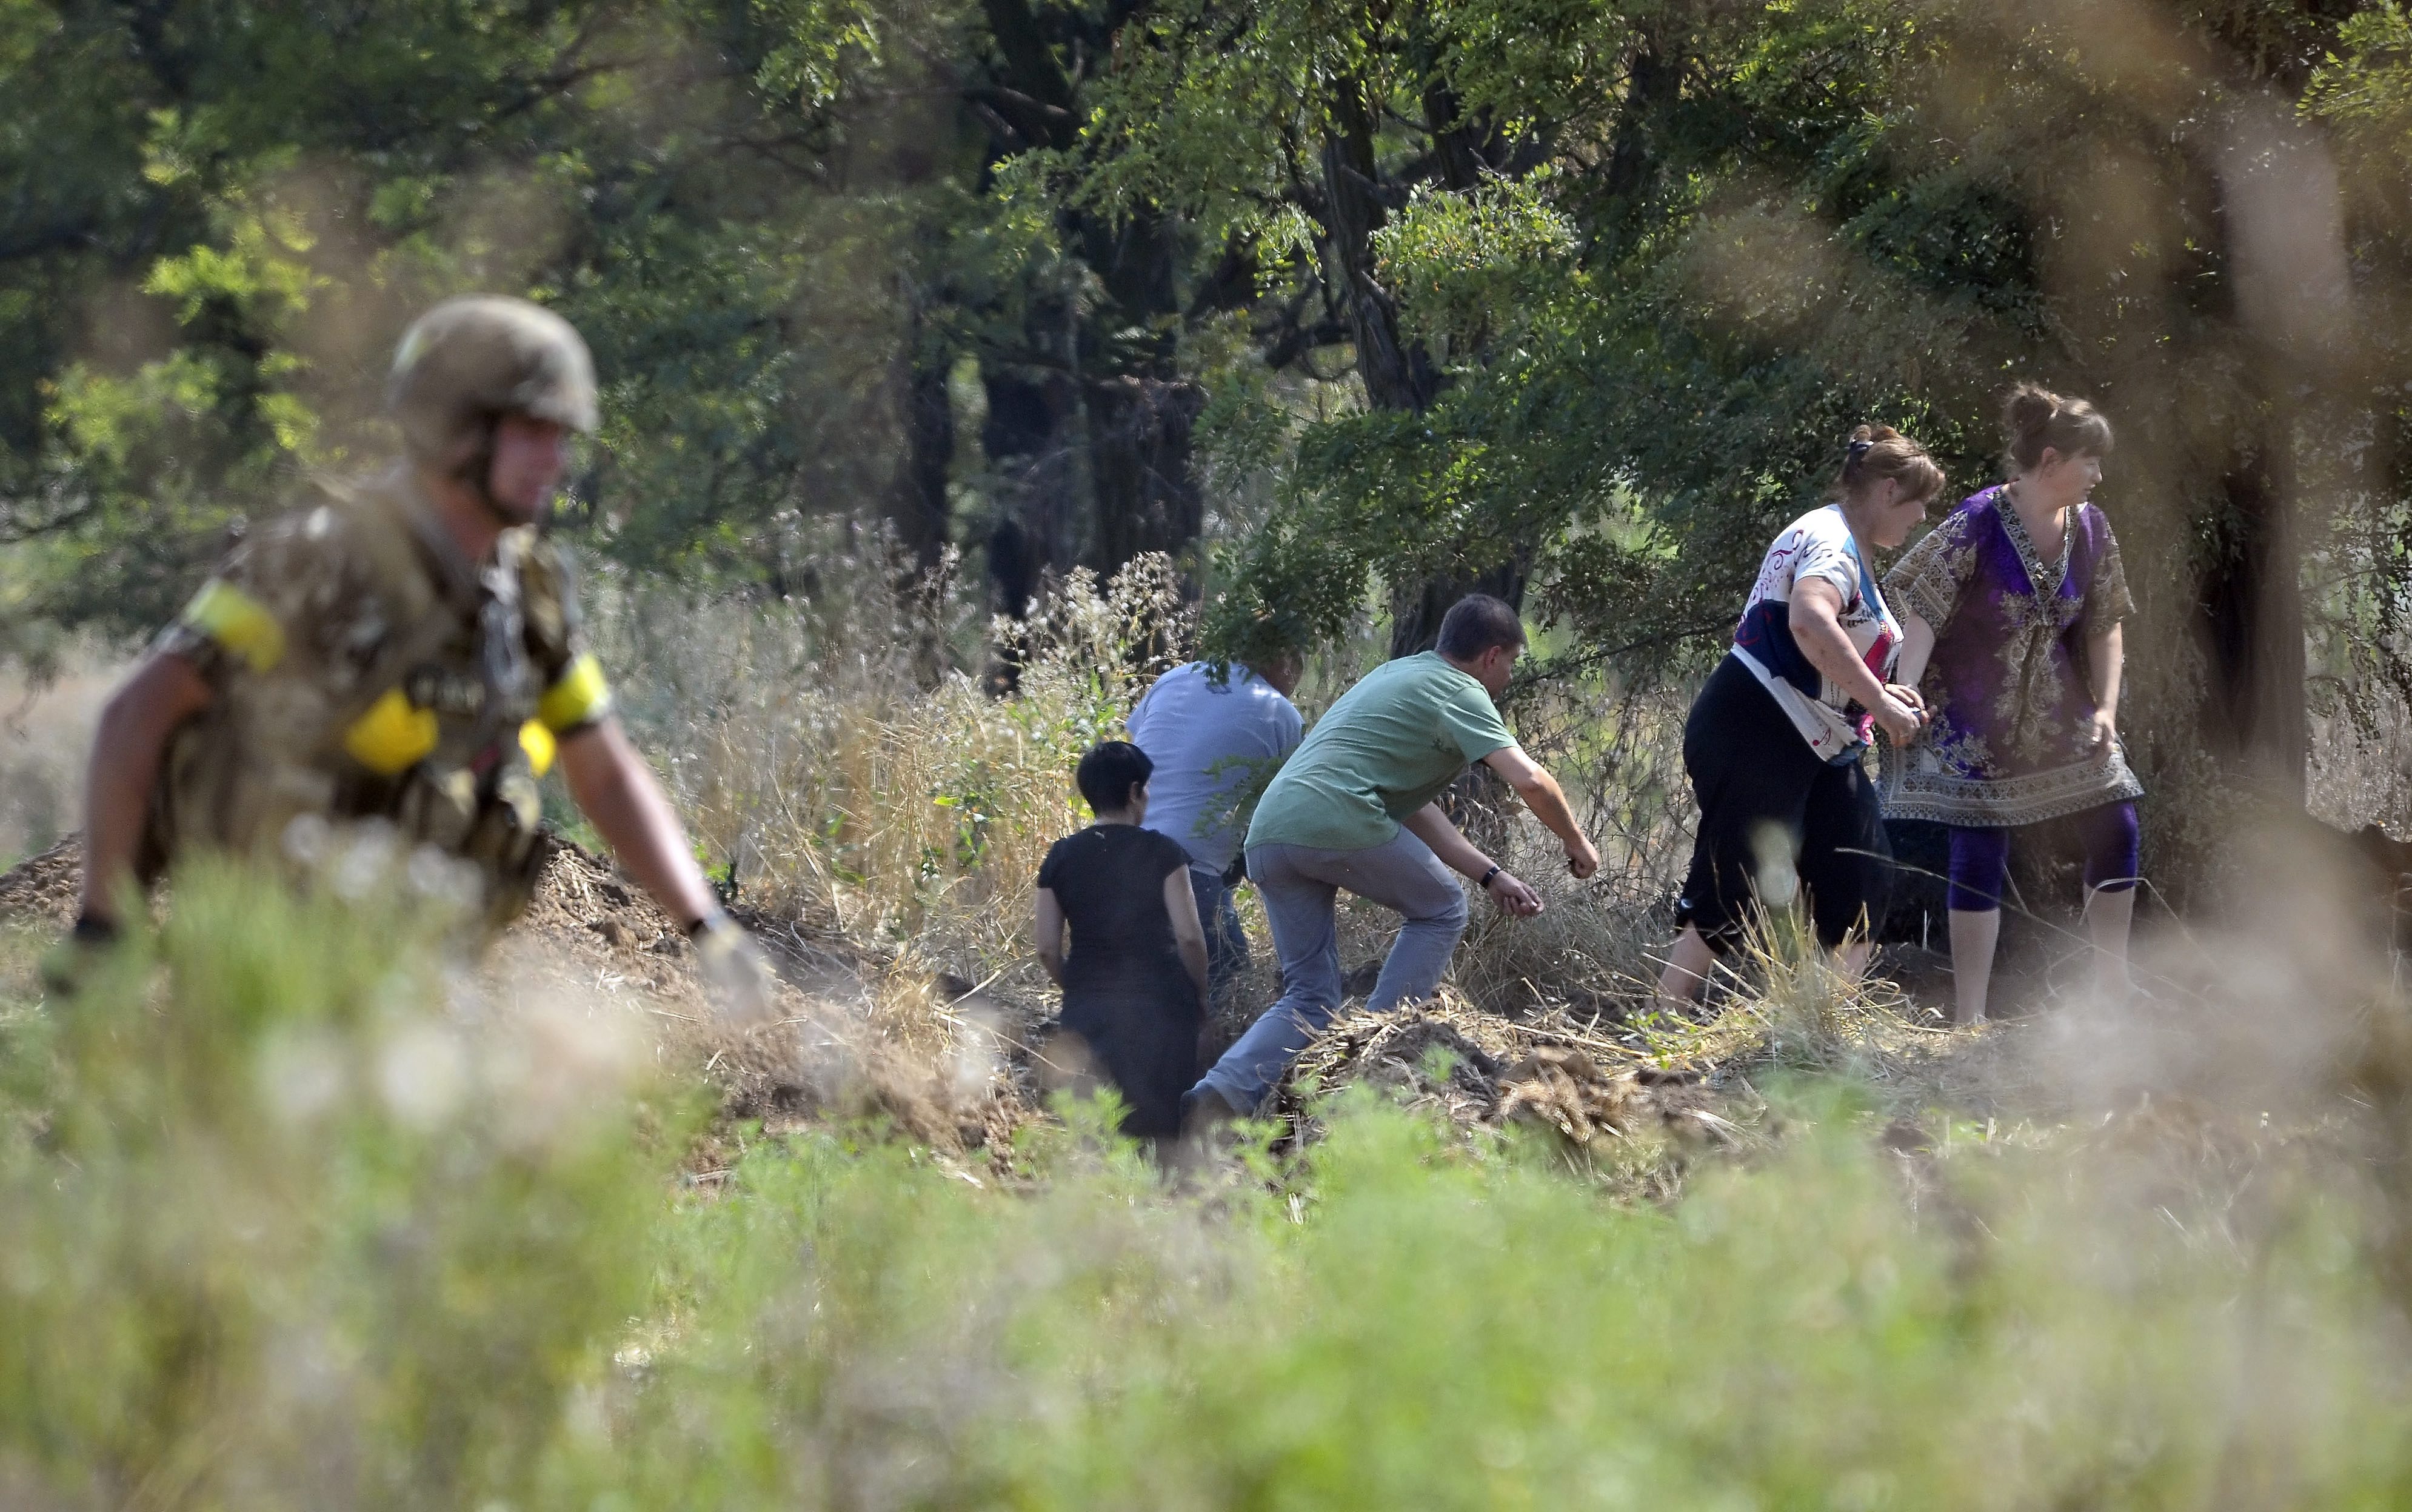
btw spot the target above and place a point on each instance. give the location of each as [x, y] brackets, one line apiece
[2033, 418]
[2030, 407]
[1879, 451]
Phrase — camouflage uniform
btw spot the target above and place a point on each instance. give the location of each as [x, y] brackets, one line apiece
[363, 668]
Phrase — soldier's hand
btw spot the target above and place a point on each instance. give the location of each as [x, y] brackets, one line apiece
[70, 962]
[737, 970]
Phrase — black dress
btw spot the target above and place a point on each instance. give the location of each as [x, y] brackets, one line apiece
[1125, 990]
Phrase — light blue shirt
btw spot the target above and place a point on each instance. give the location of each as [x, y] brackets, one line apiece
[1211, 745]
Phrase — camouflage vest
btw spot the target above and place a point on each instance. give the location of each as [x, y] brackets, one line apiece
[364, 670]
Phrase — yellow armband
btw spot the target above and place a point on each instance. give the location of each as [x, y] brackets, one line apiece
[540, 746]
[578, 697]
[238, 621]
[392, 736]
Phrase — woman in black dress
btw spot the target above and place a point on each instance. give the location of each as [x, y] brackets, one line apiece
[1134, 981]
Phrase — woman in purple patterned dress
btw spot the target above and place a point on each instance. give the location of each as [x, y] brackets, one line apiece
[2010, 614]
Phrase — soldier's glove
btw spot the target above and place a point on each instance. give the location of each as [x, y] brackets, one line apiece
[736, 969]
[64, 969]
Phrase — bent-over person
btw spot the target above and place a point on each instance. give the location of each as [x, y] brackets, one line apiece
[1776, 743]
[1355, 808]
[1213, 737]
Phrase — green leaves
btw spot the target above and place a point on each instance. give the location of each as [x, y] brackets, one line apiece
[218, 228]
[820, 45]
[1480, 266]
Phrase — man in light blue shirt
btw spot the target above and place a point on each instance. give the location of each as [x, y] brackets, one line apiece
[1214, 741]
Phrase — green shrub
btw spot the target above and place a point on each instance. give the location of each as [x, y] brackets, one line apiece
[291, 1217]
[286, 1223]
[1445, 1329]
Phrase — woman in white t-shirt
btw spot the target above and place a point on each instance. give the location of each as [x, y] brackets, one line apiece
[1774, 741]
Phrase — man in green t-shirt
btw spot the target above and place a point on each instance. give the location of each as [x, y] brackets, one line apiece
[1354, 808]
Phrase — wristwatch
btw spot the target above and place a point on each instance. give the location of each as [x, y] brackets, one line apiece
[1495, 870]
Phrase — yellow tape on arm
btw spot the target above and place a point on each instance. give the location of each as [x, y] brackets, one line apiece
[539, 744]
[238, 621]
[579, 697]
[391, 736]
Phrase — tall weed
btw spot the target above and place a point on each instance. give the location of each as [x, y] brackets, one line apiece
[286, 1220]
[835, 779]
[290, 1216]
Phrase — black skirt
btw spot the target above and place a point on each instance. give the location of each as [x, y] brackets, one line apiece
[1761, 788]
[1146, 1044]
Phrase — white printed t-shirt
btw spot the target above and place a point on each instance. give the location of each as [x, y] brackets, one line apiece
[1818, 545]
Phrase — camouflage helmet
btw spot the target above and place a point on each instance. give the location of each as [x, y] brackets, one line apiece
[473, 357]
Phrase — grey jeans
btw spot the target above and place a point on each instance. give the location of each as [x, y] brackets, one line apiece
[1301, 885]
[1226, 944]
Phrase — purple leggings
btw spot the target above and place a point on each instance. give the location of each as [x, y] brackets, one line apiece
[1980, 858]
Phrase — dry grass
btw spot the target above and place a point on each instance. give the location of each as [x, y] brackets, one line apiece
[873, 809]
[862, 799]
[891, 817]
[1629, 1111]
[907, 813]
[1962, 1269]
[2361, 776]
[46, 725]
[855, 792]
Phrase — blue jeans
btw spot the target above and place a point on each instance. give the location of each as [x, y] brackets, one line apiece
[1301, 885]
[1226, 944]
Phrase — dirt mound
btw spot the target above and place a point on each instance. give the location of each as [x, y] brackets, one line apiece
[591, 935]
[42, 891]
[1480, 1070]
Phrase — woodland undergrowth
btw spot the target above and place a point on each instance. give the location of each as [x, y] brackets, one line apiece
[292, 1214]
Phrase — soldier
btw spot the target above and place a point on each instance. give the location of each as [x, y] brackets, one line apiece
[406, 650]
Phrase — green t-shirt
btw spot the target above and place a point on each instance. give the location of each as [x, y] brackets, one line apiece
[1385, 749]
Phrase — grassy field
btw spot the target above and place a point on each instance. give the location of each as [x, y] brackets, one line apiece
[293, 1213]
[284, 1224]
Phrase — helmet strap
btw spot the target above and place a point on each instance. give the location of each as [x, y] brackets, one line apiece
[477, 470]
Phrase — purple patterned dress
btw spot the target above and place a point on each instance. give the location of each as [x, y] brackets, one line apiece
[2011, 742]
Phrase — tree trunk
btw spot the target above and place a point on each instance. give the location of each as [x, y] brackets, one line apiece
[1416, 613]
[1031, 439]
[1398, 374]
[1655, 82]
[1147, 499]
[2253, 715]
[2282, 219]
[1141, 414]
[917, 500]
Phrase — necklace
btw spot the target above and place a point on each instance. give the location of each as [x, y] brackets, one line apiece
[2042, 578]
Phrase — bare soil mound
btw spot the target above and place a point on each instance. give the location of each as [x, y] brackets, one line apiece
[835, 1049]
[1478, 1070]
[595, 937]
[42, 891]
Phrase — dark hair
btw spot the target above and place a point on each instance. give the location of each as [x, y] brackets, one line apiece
[1476, 622]
[1877, 452]
[1109, 772]
[2033, 418]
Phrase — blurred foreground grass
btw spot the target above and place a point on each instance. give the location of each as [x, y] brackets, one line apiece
[290, 1219]
[295, 1213]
